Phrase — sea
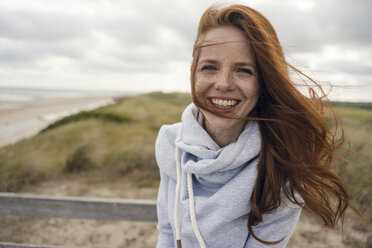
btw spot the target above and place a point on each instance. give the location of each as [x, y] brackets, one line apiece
[9, 96]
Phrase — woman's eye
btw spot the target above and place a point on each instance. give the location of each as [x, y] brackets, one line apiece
[245, 71]
[209, 68]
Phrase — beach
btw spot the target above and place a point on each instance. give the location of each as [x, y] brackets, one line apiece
[23, 113]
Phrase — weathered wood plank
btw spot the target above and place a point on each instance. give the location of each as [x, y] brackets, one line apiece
[15, 245]
[77, 207]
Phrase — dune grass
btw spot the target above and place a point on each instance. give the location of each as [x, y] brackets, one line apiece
[356, 114]
[356, 169]
[118, 141]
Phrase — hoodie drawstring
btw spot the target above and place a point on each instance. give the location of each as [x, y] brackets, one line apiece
[177, 199]
[192, 212]
[194, 224]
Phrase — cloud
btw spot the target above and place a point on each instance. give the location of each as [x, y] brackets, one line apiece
[322, 23]
[149, 43]
[113, 37]
[351, 67]
[16, 53]
[26, 25]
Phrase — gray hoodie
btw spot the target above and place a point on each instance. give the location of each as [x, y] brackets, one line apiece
[215, 187]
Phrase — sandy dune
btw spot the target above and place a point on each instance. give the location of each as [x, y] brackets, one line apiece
[21, 119]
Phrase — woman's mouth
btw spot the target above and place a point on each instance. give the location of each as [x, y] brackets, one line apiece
[223, 103]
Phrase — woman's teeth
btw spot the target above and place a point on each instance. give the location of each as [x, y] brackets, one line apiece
[223, 103]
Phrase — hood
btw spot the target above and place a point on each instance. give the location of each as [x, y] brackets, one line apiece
[202, 155]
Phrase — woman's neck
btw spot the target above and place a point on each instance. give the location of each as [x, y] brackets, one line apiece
[224, 136]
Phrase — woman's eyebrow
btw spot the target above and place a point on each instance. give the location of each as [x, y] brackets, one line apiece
[209, 61]
[212, 61]
[245, 64]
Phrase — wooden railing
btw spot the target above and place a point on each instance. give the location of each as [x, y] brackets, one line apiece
[74, 208]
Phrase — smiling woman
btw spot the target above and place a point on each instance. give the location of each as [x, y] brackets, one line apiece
[226, 82]
[251, 149]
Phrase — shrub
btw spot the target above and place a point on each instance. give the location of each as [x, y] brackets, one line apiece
[100, 115]
[79, 160]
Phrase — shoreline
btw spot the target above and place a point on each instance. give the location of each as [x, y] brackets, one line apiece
[24, 118]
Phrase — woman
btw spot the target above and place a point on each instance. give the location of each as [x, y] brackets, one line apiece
[250, 151]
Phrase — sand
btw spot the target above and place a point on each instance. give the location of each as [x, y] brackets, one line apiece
[22, 119]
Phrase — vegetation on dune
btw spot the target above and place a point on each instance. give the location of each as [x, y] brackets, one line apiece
[94, 114]
[356, 169]
[118, 142]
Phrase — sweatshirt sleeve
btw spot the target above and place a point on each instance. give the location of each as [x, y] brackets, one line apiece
[275, 226]
[165, 238]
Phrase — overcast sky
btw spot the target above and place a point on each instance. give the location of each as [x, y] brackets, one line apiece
[146, 45]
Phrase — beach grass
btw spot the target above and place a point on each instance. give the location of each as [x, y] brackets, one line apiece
[356, 114]
[117, 141]
[356, 169]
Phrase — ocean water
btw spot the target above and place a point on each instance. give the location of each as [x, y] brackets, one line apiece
[12, 98]
[29, 94]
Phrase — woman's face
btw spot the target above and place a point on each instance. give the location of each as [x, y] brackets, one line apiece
[226, 78]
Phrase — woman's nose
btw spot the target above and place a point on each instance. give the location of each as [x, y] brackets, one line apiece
[224, 81]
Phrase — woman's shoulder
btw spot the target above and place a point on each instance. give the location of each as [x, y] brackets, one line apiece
[165, 148]
[168, 133]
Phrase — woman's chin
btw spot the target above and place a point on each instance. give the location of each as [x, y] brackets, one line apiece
[222, 124]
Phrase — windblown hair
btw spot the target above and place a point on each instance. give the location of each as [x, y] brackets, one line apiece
[298, 146]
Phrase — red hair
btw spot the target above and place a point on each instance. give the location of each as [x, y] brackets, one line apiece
[297, 143]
